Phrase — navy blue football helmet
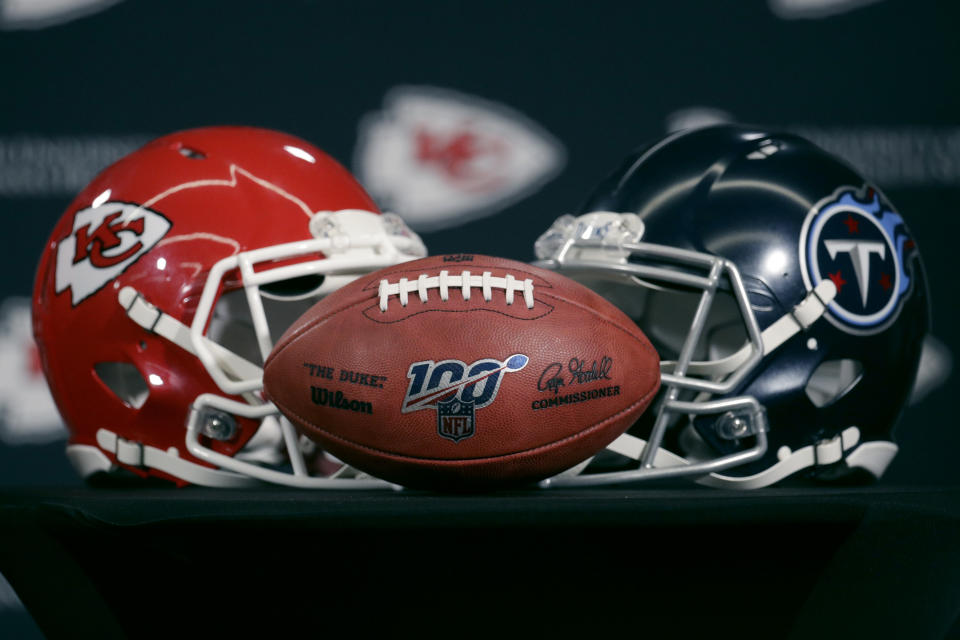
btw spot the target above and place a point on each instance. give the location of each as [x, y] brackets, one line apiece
[784, 293]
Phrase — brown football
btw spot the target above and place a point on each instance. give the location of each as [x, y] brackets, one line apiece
[462, 372]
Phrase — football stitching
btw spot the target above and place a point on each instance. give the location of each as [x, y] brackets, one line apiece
[373, 284]
[465, 281]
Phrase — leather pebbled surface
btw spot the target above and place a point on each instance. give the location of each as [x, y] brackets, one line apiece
[569, 330]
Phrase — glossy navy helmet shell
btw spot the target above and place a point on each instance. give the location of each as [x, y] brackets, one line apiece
[807, 253]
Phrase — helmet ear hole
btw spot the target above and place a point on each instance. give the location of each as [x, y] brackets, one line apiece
[125, 381]
[832, 380]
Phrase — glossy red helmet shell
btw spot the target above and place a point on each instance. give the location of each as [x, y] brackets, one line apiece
[146, 234]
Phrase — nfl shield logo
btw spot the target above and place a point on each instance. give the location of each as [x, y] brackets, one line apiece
[455, 419]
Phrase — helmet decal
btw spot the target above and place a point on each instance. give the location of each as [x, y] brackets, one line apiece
[855, 239]
[105, 240]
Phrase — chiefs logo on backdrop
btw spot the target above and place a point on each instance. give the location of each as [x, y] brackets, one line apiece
[107, 238]
[440, 158]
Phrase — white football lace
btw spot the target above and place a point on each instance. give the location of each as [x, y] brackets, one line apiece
[444, 282]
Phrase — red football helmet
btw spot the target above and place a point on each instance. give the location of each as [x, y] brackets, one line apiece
[163, 285]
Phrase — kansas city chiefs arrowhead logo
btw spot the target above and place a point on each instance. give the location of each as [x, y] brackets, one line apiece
[106, 239]
[440, 158]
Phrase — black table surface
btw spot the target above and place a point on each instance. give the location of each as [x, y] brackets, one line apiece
[819, 562]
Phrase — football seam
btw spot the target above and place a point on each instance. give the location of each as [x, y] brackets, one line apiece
[507, 456]
[550, 309]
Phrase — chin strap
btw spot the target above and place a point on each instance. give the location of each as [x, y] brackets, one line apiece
[87, 460]
[872, 456]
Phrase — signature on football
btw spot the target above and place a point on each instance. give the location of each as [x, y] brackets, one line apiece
[577, 372]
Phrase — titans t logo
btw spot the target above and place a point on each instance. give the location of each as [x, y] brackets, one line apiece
[854, 238]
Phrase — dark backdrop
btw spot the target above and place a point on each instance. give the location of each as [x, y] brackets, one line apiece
[876, 82]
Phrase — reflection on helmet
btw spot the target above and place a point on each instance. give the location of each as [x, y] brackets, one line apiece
[786, 297]
[165, 283]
